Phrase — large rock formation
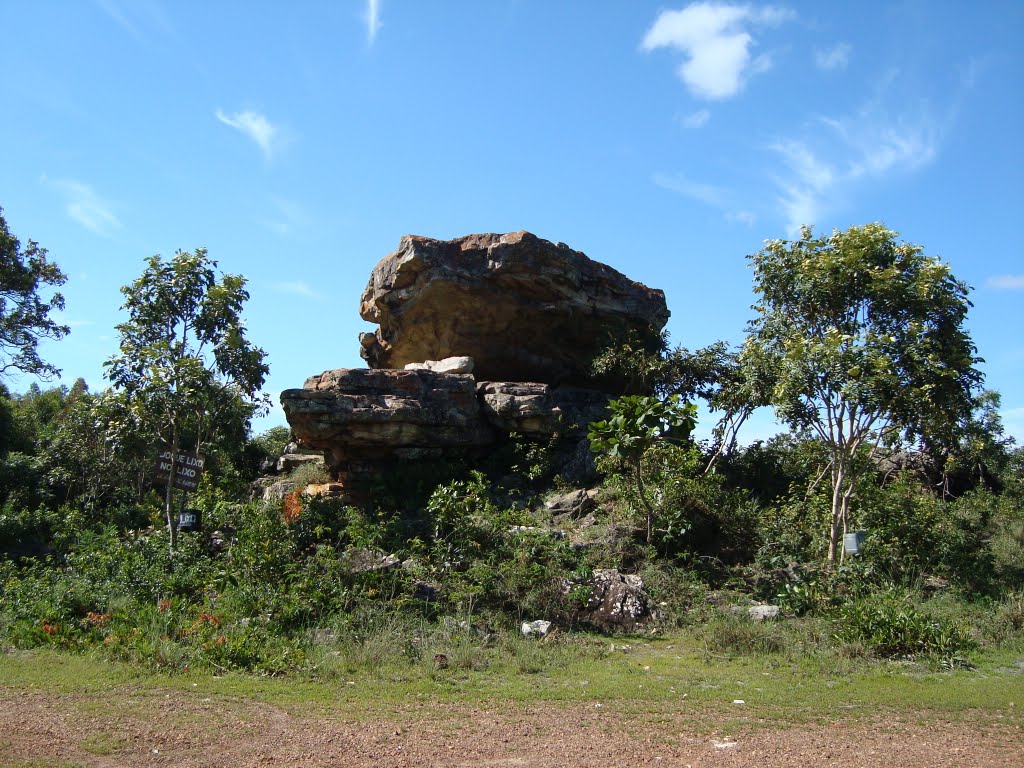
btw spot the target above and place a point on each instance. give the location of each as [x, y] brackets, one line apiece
[496, 334]
[523, 308]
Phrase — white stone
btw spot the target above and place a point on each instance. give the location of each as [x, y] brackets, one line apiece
[537, 628]
[460, 364]
[763, 612]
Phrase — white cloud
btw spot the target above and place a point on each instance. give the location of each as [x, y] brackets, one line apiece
[136, 17]
[373, 23]
[1006, 282]
[709, 194]
[298, 288]
[696, 119]
[289, 216]
[867, 146]
[836, 57]
[255, 126]
[705, 193]
[85, 206]
[743, 217]
[715, 44]
[802, 188]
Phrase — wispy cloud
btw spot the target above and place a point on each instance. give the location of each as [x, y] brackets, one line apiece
[373, 23]
[695, 119]
[836, 57]
[715, 43]
[1006, 282]
[705, 193]
[84, 205]
[288, 217]
[743, 217]
[257, 127]
[298, 288]
[801, 189]
[709, 194]
[137, 17]
[867, 146]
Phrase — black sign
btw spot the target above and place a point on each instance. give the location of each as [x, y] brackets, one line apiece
[190, 520]
[189, 469]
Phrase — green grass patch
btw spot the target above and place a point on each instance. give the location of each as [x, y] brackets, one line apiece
[648, 678]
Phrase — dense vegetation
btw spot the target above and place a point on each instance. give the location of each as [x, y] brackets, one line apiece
[90, 559]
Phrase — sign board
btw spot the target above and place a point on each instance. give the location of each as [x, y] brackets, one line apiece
[189, 469]
[190, 520]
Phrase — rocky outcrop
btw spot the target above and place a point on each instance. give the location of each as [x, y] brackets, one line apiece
[361, 418]
[478, 338]
[523, 308]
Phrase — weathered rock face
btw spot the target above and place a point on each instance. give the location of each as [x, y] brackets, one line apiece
[617, 601]
[523, 308]
[364, 417]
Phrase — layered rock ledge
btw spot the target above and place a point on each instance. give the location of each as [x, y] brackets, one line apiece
[364, 419]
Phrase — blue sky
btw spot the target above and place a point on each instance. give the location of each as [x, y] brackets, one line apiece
[298, 142]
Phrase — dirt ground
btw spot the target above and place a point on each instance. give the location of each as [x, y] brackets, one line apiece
[179, 728]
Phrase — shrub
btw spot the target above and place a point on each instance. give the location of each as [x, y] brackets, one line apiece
[888, 625]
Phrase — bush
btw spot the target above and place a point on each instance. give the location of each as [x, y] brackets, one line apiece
[888, 625]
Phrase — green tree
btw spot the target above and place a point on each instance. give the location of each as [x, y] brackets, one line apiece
[24, 315]
[860, 340]
[712, 373]
[185, 363]
[636, 425]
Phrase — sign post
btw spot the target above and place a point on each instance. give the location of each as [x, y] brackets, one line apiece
[189, 469]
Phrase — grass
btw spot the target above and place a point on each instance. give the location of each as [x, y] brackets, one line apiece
[651, 677]
[102, 744]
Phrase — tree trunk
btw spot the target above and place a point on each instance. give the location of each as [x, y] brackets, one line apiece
[172, 526]
[641, 490]
[839, 501]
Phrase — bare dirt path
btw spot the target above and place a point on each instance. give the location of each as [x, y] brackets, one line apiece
[168, 727]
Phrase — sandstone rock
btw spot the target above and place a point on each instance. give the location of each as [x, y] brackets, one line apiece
[617, 601]
[522, 407]
[290, 461]
[348, 411]
[523, 308]
[362, 420]
[575, 504]
[277, 490]
[323, 491]
[448, 365]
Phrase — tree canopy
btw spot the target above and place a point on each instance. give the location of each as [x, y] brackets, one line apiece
[24, 314]
[185, 363]
[860, 339]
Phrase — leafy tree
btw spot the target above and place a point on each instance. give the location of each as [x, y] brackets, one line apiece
[859, 339]
[712, 373]
[637, 424]
[185, 363]
[24, 315]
